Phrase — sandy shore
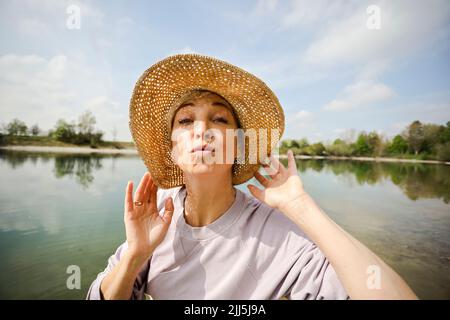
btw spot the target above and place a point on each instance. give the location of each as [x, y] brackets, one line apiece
[69, 149]
[283, 156]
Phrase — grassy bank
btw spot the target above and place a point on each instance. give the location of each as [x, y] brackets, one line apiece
[45, 141]
[376, 159]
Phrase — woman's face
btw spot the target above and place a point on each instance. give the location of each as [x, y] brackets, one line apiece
[199, 135]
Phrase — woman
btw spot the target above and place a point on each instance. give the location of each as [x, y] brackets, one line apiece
[190, 234]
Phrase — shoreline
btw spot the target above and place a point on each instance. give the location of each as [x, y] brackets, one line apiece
[377, 159]
[128, 151]
[85, 150]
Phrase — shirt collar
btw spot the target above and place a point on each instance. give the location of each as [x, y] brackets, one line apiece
[217, 227]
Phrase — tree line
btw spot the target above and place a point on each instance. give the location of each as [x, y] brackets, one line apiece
[417, 140]
[81, 132]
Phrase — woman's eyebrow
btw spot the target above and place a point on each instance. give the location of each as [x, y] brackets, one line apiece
[186, 104]
[215, 103]
[219, 103]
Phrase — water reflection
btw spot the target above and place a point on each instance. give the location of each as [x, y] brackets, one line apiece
[80, 167]
[416, 180]
[58, 210]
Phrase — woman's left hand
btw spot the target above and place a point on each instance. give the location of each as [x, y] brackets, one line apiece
[283, 189]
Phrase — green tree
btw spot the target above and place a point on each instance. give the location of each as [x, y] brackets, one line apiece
[290, 144]
[444, 135]
[398, 145]
[315, 149]
[287, 143]
[64, 131]
[303, 143]
[441, 146]
[86, 123]
[339, 148]
[431, 134]
[95, 138]
[294, 144]
[375, 144]
[416, 136]
[16, 127]
[35, 130]
[362, 146]
[443, 151]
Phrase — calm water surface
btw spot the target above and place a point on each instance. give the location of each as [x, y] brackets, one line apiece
[62, 210]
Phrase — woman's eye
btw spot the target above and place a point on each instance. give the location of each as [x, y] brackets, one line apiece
[184, 121]
[221, 120]
[187, 120]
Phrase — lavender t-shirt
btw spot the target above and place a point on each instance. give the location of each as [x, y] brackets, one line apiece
[252, 251]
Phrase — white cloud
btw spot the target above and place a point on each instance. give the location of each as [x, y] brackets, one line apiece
[40, 90]
[405, 27]
[102, 103]
[359, 94]
[33, 27]
[373, 70]
[301, 124]
[303, 115]
[31, 85]
[50, 16]
[264, 7]
[306, 13]
[425, 110]
[364, 90]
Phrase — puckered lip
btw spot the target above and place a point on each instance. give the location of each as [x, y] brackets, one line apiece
[205, 147]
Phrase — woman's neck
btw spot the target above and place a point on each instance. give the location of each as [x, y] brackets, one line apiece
[207, 200]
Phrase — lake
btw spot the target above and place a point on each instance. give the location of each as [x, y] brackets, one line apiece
[59, 210]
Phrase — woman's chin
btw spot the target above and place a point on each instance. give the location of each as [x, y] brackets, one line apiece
[202, 168]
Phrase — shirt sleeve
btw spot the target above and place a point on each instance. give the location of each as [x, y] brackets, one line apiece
[314, 277]
[139, 286]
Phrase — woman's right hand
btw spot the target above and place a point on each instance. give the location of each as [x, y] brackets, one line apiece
[145, 228]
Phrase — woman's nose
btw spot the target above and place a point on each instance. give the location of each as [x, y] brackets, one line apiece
[199, 128]
[202, 132]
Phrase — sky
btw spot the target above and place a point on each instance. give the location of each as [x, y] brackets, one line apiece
[337, 67]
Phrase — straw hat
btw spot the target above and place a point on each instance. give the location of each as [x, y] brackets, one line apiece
[154, 102]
